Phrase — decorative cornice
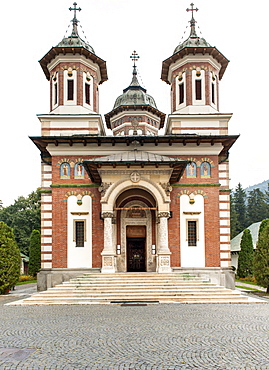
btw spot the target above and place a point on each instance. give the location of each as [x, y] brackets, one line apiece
[197, 185]
[74, 186]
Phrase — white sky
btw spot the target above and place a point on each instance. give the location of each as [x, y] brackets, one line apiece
[114, 28]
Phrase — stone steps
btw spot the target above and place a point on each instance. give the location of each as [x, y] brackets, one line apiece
[136, 287]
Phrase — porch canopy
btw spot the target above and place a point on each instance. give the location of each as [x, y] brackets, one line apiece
[135, 158]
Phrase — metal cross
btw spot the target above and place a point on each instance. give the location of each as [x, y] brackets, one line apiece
[75, 11]
[192, 9]
[134, 57]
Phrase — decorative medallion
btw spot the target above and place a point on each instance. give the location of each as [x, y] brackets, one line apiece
[135, 176]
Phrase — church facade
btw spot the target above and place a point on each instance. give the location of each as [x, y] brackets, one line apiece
[134, 200]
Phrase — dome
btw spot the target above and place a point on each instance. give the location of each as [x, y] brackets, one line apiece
[191, 42]
[75, 41]
[135, 95]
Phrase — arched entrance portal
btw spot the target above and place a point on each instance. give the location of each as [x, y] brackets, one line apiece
[136, 231]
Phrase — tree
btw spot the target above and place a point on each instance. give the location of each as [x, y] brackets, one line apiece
[10, 258]
[35, 253]
[24, 217]
[261, 256]
[245, 259]
[257, 209]
[239, 201]
[235, 228]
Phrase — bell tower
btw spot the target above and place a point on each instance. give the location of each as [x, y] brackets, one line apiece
[74, 72]
[194, 71]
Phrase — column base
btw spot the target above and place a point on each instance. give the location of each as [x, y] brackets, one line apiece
[163, 263]
[108, 263]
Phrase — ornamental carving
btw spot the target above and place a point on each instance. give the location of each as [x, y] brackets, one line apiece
[164, 214]
[165, 261]
[108, 261]
[107, 215]
[103, 188]
[167, 187]
[135, 176]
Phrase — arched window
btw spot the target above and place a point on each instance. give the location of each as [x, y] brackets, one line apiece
[191, 169]
[205, 169]
[65, 170]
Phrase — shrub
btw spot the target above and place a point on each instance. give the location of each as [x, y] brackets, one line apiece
[35, 253]
[245, 259]
[10, 259]
[261, 256]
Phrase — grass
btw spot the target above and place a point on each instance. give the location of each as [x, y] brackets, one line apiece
[26, 282]
[248, 288]
[245, 281]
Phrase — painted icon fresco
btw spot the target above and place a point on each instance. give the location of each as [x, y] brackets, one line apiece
[65, 170]
[191, 169]
[205, 169]
[79, 171]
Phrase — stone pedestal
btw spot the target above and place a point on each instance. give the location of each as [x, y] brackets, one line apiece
[163, 257]
[108, 254]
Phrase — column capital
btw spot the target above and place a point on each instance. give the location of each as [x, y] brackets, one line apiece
[163, 214]
[107, 215]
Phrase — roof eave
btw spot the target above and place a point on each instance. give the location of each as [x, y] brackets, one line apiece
[213, 51]
[54, 51]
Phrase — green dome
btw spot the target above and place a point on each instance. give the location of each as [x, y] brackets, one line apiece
[135, 95]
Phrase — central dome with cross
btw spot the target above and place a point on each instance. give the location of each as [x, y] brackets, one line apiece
[135, 112]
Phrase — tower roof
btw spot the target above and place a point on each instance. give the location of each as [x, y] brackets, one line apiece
[73, 44]
[135, 97]
[135, 94]
[194, 45]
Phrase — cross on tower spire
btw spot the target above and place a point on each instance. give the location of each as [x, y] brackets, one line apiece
[75, 20]
[192, 21]
[134, 58]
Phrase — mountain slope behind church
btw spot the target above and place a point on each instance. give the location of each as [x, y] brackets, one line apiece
[263, 186]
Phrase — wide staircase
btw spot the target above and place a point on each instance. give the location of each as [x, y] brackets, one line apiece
[136, 288]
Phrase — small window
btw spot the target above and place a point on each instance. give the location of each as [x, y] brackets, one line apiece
[181, 93]
[198, 89]
[192, 233]
[213, 93]
[55, 93]
[87, 93]
[79, 233]
[70, 89]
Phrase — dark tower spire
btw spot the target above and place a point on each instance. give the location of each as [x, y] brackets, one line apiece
[75, 20]
[192, 21]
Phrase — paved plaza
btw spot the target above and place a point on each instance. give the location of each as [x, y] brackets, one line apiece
[175, 336]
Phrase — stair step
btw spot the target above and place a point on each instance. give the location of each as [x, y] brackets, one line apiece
[130, 287]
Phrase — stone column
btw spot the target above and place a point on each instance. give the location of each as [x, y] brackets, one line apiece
[108, 253]
[163, 257]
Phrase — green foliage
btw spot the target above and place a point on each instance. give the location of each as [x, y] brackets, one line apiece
[245, 259]
[35, 253]
[257, 209]
[261, 256]
[239, 202]
[235, 227]
[9, 259]
[24, 217]
[25, 278]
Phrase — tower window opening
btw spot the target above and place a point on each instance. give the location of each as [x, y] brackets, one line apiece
[70, 89]
[87, 93]
[192, 233]
[55, 93]
[79, 233]
[198, 89]
[213, 93]
[181, 93]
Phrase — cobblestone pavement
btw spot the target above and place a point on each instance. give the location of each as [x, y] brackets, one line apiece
[153, 337]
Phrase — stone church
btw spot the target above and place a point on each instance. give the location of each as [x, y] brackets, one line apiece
[134, 200]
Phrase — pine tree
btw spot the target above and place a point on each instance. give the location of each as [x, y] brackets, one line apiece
[10, 259]
[257, 209]
[261, 256]
[239, 201]
[235, 228]
[245, 259]
[34, 253]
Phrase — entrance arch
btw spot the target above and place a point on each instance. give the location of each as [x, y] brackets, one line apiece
[136, 231]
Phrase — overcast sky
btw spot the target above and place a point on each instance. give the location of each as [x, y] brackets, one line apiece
[114, 28]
